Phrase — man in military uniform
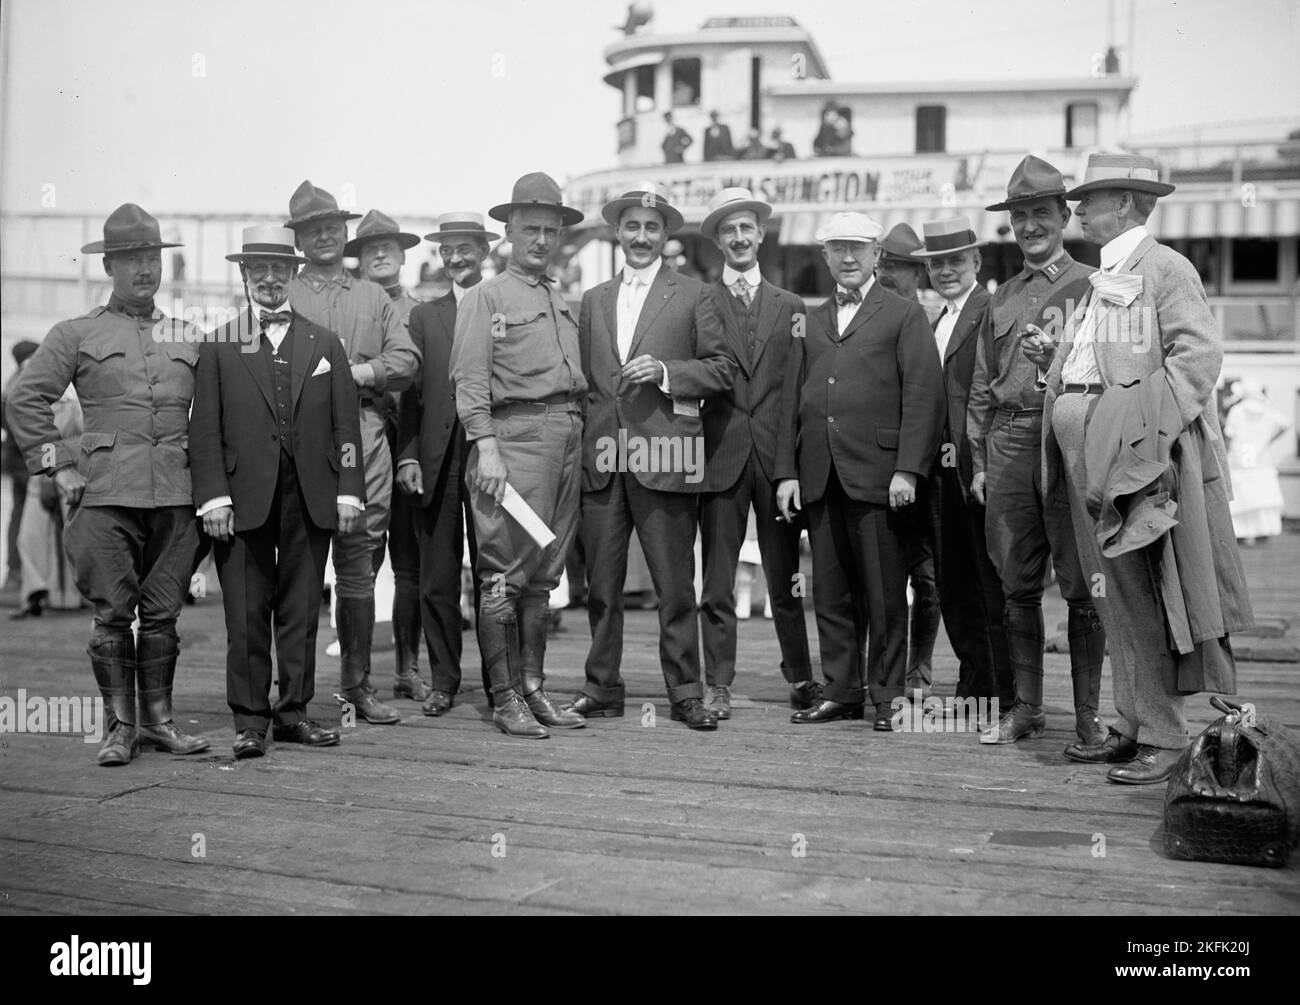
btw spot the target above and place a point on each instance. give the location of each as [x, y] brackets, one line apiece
[383, 359]
[132, 535]
[380, 246]
[1004, 422]
[520, 387]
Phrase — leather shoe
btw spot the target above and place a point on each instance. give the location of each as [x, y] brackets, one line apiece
[589, 708]
[437, 703]
[718, 701]
[1151, 766]
[692, 712]
[805, 694]
[120, 745]
[249, 743]
[368, 707]
[884, 722]
[1115, 750]
[410, 685]
[305, 731]
[829, 711]
[1022, 720]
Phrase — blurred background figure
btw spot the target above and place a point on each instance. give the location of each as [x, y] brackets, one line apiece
[1253, 424]
[755, 149]
[676, 140]
[717, 140]
[14, 468]
[835, 137]
[781, 149]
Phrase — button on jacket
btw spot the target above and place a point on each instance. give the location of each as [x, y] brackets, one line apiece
[135, 379]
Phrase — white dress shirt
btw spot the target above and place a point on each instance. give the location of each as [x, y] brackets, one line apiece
[458, 292]
[948, 320]
[751, 276]
[632, 293]
[1080, 367]
[843, 315]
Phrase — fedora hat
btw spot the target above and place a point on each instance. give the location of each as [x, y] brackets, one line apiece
[460, 224]
[375, 226]
[265, 241]
[849, 227]
[902, 244]
[943, 237]
[532, 191]
[645, 198]
[1126, 171]
[1033, 178]
[310, 203]
[129, 228]
[732, 200]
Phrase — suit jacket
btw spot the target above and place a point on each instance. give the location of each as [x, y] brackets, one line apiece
[427, 421]
[871, 401]
[680, 327]
[958, 370]
[718, 148]
[234, 434]
[747, 417]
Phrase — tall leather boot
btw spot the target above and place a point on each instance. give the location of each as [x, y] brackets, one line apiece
[1087, 653]
[406, 640]
[923, 629]
[156, 671]
[113, 662]
[1024, 627]
[532, 649]
[356, 626]
[499, 642]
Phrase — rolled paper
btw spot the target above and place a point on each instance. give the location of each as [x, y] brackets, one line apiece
[526, 517]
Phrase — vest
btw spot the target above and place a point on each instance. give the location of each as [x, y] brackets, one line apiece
[279, 364]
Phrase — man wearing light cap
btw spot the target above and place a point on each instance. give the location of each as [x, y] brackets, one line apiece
[382, 360]
[432, 450]
[863, 401]
[740, 433]
[1137, 365]
[132, 536]
[970, 596]
[1004, 420]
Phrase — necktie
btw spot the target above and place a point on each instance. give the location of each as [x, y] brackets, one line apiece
[627, 321]
[268, 318]
[852, 297]
[1116, 288]
[740, 289]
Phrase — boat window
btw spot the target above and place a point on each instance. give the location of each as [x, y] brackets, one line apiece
[645, 88]
[1255, 260]
[1081, 124]
[686, 82]
[931, 122]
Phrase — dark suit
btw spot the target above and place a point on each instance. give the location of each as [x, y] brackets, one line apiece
[740, 434]
[717, 143]
[859, 406]
[678, 325]
[284, 450]
[970, 592]
[430, 432]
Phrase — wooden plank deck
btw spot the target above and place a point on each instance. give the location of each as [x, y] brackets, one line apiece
[449, 816]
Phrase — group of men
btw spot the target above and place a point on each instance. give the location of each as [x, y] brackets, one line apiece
[963, 453]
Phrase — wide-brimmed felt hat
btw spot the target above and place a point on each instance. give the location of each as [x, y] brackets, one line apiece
[537, 190]
[644, 198]
[460, 224]
[902, 244]
[309, 203]
[943, 237]
[377, 226]
[129, 228]
[1123, 171]
[267, 241]
[849, 227]
[1033, 178]
[733, 200]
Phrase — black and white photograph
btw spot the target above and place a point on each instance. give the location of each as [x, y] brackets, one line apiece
[651, 459]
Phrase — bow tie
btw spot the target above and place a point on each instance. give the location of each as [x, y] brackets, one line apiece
[852, 297]
[268, 318]
[1116, 288]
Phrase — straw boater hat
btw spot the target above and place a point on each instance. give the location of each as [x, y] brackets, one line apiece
[647, 198]
[309, 203]
[849, 227]
[129, 228]
[460, 224]
[533, 191]
[376, 226]
[1032, 179]
[901, 245]
[943, 237]
[265, 241]
[733, 200]
[1126, 171]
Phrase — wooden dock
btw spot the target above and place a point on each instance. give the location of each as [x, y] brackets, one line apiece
[628, 816]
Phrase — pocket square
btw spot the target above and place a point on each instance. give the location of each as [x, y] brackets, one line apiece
[322, 367]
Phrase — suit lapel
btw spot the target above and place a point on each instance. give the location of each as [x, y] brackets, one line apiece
[767, 311]
[609, 310]
[830, 316]
[661, 291]
[306, 351]
[729, 310]
[870, 304]
[250, 334]
[965, 325]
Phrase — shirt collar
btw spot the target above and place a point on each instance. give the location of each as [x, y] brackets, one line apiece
[1114, 253]
[527, 277]
[318, 282]
[458, 292]
[752, 276]
[120, 306]
[646, 275]
[1053, 270]
[954, 307]
[864, 289]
